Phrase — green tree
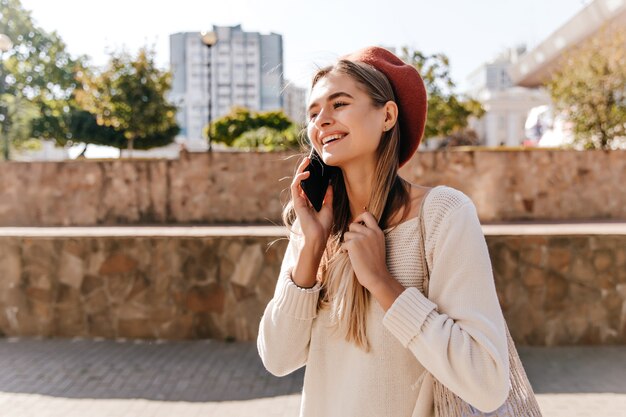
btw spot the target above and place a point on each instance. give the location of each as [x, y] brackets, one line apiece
[241, 128]
[590, 89]
[127, 103]
[448, 112]
[269, 139]
[18, 119]
[39, 70]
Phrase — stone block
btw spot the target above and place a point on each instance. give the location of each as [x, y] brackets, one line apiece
[67, 297]
[140, 285]
[582, 270]
[101, 325]
[44, 314]
[533, 277]
[10, 265]
[14, 297]
[556, 292]
[38, 276]
[164, 313]
[621, 290]
[96, 302]
[181, 327]
[135, 329]
[118, 287]
[90, 284]
[506, 262]
[40, 295]
[205, 299]
[531, 255]
[242, 293]
[576, 326]
[132, 311]
[603, 260]
[71, 270]
[248, 265]
[559, 259]
[117, 264]
[208, 326]
[70, 322]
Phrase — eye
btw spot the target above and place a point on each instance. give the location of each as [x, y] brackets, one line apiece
[339, 103]
[312, 116]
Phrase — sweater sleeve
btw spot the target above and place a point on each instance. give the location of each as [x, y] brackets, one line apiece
[285, 327]
[458, 333]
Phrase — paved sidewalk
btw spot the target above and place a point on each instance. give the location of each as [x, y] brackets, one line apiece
[46, 378]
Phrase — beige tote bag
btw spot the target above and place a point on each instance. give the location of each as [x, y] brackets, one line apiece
[521, 401]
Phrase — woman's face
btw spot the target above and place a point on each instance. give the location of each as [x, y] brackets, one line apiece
[339, 106]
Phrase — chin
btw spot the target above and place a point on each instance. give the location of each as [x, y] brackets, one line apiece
[332, 160]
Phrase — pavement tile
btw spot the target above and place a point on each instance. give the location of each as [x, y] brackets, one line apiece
[209, 378]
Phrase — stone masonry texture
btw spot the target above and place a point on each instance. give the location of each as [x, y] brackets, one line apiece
[252, 187]
[554, 290]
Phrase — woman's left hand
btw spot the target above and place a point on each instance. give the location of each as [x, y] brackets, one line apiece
[365, 244]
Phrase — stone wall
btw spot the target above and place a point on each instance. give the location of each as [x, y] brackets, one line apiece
[246, 187]
[554, 290]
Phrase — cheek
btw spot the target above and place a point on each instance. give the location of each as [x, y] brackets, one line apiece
[371, 127]
[310, 132]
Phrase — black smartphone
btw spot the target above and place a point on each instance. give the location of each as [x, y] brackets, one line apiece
[316, 184]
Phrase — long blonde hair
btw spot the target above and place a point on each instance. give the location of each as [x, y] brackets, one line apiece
[341, 291]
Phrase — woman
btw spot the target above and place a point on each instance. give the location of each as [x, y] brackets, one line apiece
[347, 302]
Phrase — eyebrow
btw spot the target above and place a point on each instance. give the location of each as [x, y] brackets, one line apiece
[331, 97]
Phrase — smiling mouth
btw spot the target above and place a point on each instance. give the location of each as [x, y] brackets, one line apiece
[334, 140]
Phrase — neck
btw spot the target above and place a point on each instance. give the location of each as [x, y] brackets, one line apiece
[358, 179]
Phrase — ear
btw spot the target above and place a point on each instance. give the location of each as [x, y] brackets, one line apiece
[391, 115]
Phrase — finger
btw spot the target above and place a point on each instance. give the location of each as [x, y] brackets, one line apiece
[303, 164]
[295, 184]
[296, 187]
[357, 227]
[368, 218]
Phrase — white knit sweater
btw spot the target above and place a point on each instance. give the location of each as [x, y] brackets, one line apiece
[457, 334]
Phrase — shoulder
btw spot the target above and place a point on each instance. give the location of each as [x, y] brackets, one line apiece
[442, 200]
[441, 203]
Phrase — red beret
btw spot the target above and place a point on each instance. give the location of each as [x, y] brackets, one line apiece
[409, 90]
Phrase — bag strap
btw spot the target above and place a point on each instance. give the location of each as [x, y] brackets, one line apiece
[423, 245]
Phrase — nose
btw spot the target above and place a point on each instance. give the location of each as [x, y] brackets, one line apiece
[324, 118]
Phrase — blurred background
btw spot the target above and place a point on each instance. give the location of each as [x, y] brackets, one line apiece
[147, 150]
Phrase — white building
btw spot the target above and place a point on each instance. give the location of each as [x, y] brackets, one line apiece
[246, 70]
[506, 105]
[294, 101]
[537, 66]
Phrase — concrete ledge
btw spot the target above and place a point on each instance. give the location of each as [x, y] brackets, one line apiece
[511, 229]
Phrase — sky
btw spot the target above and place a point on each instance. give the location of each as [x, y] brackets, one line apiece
[314, 33]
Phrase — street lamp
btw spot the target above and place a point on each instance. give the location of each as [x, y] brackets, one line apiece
[209, 39]
[5, 45]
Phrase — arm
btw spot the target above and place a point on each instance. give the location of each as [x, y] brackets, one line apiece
[458, 333]
[285, 328]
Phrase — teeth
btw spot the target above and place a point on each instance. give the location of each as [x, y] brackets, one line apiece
[331, 137]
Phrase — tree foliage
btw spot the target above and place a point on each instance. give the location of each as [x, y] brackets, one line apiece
[127, 102]
[40, 70]
[269, 139]
[590, 88]
[50, 95]
[242, 128]
[447, 112]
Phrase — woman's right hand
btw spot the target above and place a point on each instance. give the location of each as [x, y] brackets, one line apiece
[315, 225]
